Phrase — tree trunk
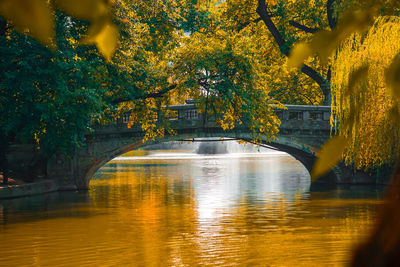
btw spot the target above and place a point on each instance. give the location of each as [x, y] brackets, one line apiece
[205, 109]
[326, 89]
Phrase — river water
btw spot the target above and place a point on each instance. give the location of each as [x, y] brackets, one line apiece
[183, 209]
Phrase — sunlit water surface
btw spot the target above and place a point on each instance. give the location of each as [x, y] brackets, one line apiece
[177, 209]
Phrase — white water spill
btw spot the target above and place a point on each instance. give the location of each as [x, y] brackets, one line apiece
[163, 155]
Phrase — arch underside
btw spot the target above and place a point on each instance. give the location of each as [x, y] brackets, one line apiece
[301, 147]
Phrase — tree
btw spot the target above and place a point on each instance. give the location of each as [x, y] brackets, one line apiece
[324, 43]
[374, 137]
[48, 98]
[53, 98]
[219, 71]
[161, 70]
[288, 22]
[383, 246]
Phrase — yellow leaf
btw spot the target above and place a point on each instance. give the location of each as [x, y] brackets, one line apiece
[329, 155]
[299, 53]
[33, 17]
[324, 42]
[106, 39]
[94, 29]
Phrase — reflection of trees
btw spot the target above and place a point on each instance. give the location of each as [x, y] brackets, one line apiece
[171, 219]
[157, 205]
[50, 206]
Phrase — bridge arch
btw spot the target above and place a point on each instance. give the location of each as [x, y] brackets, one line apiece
[303, 152]
[302, 132]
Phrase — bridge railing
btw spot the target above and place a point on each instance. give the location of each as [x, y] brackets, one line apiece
[293, 117]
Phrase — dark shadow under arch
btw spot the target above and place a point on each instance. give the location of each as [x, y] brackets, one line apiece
[301, 153]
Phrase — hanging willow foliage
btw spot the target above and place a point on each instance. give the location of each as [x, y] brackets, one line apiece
[373, 133]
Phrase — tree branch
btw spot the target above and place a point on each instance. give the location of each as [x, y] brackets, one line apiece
[302, 27]
[323, 83]
[313, 74]
[146, 96]
[262, 11]
[329, 73]
[310, 102]
[329, 12]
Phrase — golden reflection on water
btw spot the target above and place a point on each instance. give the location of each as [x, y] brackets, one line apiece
[189, 212]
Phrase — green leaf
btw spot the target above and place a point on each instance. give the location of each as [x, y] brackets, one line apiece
[106, 39]
[329, 155]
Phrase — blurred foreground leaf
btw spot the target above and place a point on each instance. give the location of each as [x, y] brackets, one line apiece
[37, 19]
[394, 115]
[106, 40]
[329, 155]
[325, 42]
[393, 78]
[32, 17]
[102, 32]
[299, 54]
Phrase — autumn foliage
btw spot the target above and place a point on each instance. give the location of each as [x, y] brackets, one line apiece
[234, 57]
[374, 138]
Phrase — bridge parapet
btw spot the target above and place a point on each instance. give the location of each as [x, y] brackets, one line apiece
[294, 117]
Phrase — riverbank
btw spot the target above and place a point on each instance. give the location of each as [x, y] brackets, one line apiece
[15, 189]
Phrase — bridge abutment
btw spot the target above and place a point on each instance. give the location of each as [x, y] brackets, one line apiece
[63, 170]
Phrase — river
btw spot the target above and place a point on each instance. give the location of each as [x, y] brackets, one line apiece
[184, 209]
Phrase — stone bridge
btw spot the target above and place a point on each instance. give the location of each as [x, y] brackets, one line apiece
[302, 132]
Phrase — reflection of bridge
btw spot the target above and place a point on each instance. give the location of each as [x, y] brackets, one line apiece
[303, 130]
